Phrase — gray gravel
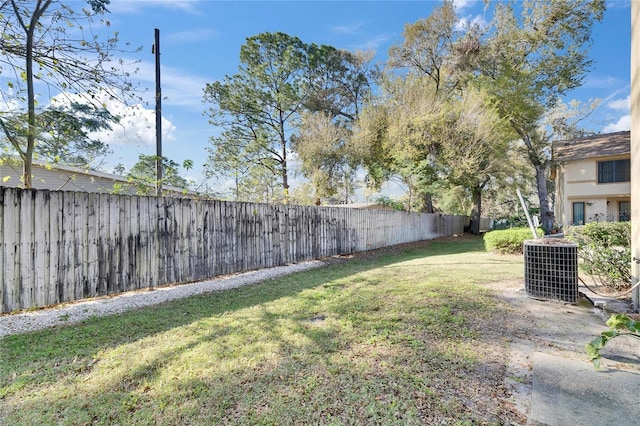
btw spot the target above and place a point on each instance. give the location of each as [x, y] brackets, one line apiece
[78, 311]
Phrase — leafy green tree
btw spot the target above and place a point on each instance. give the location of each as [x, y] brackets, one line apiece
[143, 174]
[424, 56]
[339, 82]
[529, 61]
[260, 108]
[429, 134]
[326, 157]
[64, 134]
[37, 50]
[260, 186]
[260, 104]
[427, 46]
[472, 146]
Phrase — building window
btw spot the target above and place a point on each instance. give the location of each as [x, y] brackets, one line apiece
[578, 213]
[614, 171]
[624, 211]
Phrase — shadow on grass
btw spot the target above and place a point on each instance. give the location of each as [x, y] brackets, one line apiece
[334, 349]
[28, 355]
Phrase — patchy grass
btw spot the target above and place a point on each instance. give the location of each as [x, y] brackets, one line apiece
[399, 337]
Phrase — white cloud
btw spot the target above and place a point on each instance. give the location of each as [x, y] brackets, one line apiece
[190, 36]
[178, 88]
[620, 104]
[10, 105]
[594, 82]
[373, 43]
[347, 29]
[618, 4]
[624, 123]
[135, 6]
[470, 21]
[463, 4]
[136, 126]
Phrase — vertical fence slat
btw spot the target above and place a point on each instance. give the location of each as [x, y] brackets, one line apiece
[180, 240]
[174, 215]
[11, 221]
[103, 243]
[80, 207]
[42, 239]
[143, 259]
[27, 236]
[125, 235]
[3, 281]
[90, 270]
[55, 247]
[152, 243]
[67, 252]
[133, 241]
[169, 249]
[195, 248]
[163, 241]
[113, 280]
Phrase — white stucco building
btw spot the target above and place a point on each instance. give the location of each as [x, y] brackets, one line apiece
[593, 179]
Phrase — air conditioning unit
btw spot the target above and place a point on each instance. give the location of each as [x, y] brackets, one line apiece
[551, 269]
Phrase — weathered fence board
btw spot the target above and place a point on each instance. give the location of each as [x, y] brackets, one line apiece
[11, 225]
[63, 246]
[2, 252]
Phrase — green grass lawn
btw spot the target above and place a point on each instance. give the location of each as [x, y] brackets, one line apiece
[406, 337]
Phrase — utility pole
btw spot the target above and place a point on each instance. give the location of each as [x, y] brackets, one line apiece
[156, 50]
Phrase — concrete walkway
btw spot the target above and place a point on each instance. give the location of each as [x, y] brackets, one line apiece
[571, 392]
[560, 385]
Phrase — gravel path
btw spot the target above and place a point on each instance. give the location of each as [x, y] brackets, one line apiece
[78, 311]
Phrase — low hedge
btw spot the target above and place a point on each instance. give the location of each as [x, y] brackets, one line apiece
[508, 241]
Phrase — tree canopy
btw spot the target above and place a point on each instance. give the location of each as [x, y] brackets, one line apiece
[39, 55]
[260, 108]
[142, 175]
[530, 60]
[455, 100]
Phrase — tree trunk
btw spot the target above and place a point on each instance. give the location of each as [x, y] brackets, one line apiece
[40, 8]
[285, 175]
[285, 184]
[31, 109]
[474, 226]
[546, 214]
[427, 202]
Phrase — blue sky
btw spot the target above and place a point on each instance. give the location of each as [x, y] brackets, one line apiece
[200, 43]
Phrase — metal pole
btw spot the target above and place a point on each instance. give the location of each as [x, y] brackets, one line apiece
[158, 116]
[526, 213]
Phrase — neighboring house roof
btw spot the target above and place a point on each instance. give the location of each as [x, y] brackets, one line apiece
[58, 177]
[603, 145]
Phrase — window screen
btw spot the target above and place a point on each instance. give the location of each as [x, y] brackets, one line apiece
[614, 171]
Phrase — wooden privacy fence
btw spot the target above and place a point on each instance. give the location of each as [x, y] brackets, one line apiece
[63, 246]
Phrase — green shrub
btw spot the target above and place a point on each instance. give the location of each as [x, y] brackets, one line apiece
[388, 202]
[605, 249]
[508, 241]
